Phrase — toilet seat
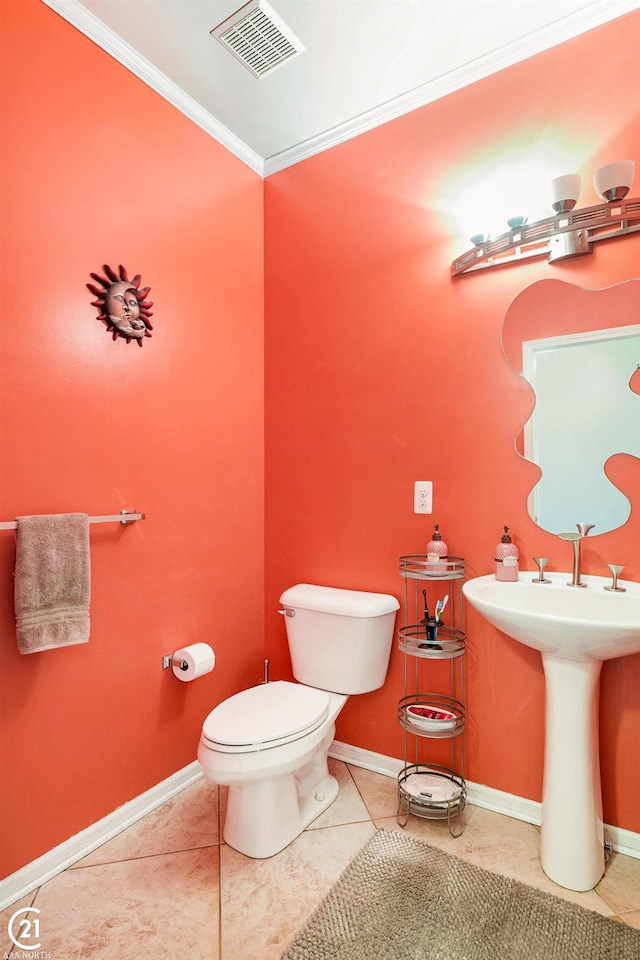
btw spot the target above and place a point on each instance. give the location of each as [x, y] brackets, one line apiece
[265, 716]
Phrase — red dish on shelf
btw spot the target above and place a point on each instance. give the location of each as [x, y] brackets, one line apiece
[430, 717]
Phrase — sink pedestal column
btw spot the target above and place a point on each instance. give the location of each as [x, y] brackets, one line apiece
[572, 841]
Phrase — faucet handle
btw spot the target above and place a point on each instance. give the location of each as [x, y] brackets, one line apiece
[541, 563]
[616, 570]
[584, 528]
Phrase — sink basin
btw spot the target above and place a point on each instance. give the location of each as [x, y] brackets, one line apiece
[575, 630]
[574, 624]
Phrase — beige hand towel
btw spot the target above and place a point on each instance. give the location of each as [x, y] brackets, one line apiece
[52, 582]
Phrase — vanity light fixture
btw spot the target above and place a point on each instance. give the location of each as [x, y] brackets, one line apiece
[570, 232]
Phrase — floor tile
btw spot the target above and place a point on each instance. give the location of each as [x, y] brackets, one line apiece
[279, 894]
[632, 918]
[148, 909]
[379, 793]
[348, 806]
[620, 886]
[187, 821]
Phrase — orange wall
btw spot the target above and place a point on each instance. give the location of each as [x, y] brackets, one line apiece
[381, 370]
[99, 169]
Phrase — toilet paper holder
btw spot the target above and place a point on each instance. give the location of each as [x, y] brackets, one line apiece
[170, 661]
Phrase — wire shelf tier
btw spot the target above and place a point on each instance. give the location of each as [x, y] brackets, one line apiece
[448, 644]
[450, 724]
[417, 567]
[449, 786]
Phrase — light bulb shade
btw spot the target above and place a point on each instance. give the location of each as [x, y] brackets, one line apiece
[613, 181]
[565, 192]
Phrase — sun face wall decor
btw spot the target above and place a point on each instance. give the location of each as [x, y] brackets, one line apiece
[123, 306]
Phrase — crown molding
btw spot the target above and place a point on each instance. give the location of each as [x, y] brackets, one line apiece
[93, 28]
[587, 18]
[594, 15]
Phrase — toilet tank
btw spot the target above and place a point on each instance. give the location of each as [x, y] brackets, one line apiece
[339, 640]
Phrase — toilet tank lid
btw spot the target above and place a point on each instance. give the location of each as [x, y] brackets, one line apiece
[346, 603]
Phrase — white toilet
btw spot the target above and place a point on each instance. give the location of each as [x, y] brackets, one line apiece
[269, 744]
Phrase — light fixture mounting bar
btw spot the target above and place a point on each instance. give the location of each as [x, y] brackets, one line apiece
[585, 227]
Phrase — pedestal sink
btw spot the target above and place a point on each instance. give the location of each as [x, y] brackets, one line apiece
[575, 630]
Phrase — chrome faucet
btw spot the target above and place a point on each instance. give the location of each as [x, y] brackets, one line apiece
[576, 539]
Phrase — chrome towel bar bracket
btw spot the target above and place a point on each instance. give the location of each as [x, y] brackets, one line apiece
[130, 515]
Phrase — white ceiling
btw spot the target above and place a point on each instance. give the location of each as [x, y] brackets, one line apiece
[366, 61]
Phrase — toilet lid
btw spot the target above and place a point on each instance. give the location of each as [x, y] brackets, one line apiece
[266, 715]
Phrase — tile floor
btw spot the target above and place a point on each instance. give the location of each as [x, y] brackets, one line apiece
[168, 887]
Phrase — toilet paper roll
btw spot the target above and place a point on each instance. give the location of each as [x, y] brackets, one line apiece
[199, 658]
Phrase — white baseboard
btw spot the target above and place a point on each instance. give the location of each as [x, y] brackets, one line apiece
[37, 872]
[508, 804]
[53, 862]
[378, 762]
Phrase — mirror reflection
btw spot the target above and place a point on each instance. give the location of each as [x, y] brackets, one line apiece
[580, 352]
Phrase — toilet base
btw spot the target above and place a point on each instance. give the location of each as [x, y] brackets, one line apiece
[264, 816]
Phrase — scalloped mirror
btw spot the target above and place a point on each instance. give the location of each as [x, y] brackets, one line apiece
[579, 350]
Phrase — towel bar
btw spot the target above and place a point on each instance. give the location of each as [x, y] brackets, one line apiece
[124, 517]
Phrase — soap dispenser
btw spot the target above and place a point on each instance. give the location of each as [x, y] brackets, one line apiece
[507, 556]
[436, 551]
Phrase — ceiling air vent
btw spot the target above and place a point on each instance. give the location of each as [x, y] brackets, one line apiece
[257, 37]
